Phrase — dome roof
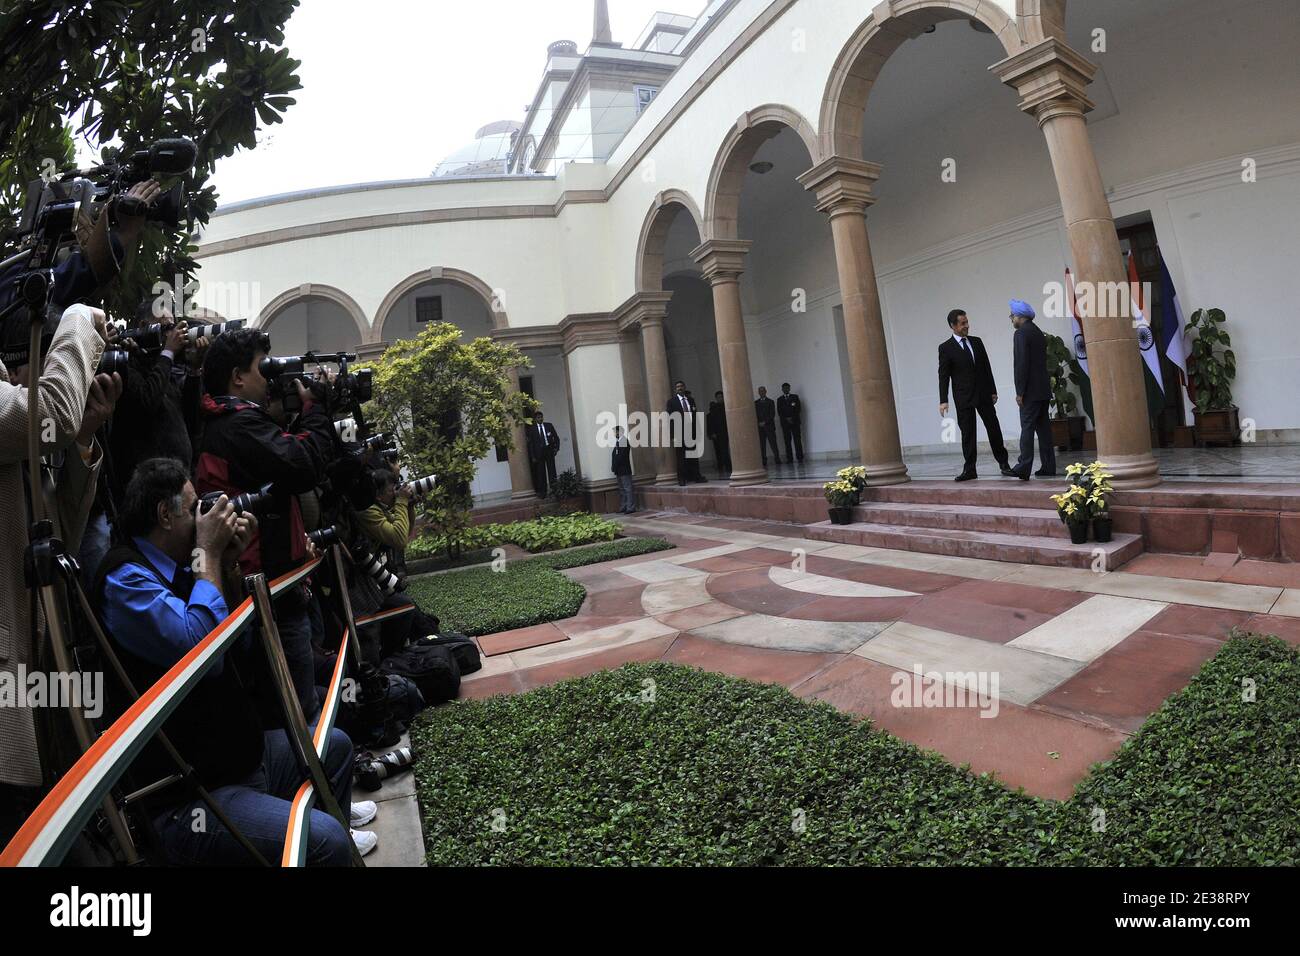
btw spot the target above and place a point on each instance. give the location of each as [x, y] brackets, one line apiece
[485, 156]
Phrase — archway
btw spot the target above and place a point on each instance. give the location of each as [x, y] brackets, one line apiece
[314, 317]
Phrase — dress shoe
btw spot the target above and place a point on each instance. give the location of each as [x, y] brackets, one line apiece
[1008, 471]
[966, 476]
[1044, 474]
[1022, 475]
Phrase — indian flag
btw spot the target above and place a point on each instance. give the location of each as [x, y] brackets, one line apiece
[1145, 335]
[1080, 345]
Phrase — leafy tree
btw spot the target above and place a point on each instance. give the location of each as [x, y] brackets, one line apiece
[448, 402]
[123, 73]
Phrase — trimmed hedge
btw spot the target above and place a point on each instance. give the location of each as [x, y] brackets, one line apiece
[533, 591]
[715, 770]
[546, 533]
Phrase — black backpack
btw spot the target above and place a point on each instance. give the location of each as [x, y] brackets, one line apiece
[462, 647]
[431, 667]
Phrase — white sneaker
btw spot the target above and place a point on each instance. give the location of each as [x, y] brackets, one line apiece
[365, 840]
[363, 812]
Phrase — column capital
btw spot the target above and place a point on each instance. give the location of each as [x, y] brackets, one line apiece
[841, 184]
[640, 307]
[1050, 77]
[722, 260]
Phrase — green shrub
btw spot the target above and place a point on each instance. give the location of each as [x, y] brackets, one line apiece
[547, 533]
[663, 764]
[610, 551]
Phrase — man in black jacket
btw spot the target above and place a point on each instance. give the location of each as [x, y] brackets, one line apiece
[620, 463]
[715, 424]
[1033, 393]
[765, 409]
[790, 410]
[242, 450]
[543, 446]
[964, 362]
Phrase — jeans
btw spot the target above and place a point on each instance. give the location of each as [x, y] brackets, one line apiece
[191, 835]
[294, 624]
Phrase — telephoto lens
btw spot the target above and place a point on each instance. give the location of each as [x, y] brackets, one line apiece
[377, 568]
[211, 331]
[377, 441]
[113, 360]
[251, 502]
[323, 538]
[345, 427]
[421, 486]
[148, 337]
[272, 368]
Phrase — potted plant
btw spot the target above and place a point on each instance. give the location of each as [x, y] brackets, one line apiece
[1217, 420]
[1095, 482]
[565, 494]
[1072, 509]
[840, 495]
[1067, 427]
[856, 475]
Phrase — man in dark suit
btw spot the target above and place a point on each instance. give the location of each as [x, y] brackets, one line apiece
[543, 445]
[765, 409]
[964, 362]
[715, 424]
[790, 410]
[620, 463]
[683, 406]
[1033, 393]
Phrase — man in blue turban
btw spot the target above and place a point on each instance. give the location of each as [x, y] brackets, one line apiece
[1033, 393]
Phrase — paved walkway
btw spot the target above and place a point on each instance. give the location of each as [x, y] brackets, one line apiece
[1032, 673]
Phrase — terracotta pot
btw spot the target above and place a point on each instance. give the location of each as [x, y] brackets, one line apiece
[1078, 532]
[1101, 528]
[1217, 426]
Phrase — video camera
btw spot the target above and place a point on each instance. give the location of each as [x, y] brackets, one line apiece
[347, 391]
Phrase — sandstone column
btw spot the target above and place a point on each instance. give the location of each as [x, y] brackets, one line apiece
[636, 397]
[723, 261]
[651, 321]
[1051, 78]
[843, 190]
[521, 475]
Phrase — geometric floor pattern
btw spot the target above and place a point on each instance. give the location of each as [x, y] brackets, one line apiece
[1031, 673]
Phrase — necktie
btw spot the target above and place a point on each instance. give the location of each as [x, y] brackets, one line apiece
[966, 345]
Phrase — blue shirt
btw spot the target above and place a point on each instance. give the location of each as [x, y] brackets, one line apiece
[151, 622]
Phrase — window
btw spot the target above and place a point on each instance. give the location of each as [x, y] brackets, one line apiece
[428, 308]
[644, 96]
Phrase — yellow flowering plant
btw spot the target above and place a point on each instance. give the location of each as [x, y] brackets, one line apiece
[840, 493]
[854, 474]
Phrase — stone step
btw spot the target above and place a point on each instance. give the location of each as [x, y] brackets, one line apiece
[1056, 551]
[1000, 493]
[966, 517]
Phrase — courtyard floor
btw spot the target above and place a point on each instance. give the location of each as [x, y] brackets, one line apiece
[1081, 658]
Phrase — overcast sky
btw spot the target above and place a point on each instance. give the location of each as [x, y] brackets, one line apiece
[392, 86]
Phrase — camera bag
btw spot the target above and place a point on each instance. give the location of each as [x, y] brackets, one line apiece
[431, 667]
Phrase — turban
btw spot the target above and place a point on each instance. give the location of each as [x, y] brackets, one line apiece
[1021, 308]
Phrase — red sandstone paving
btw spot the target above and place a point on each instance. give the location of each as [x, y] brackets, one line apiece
[768, 599]
[767, 556]
[1188, 566]
[1015, 745]
[903, 579]
[765, 665]
[988, 622]
[1130, 681]
[702, 615]
[1287, 628]
[726, 563]
[583, 623]
[503, 642]
[614, 602]
[1185, 620]
[596, 578]
[650, 650]
[1027, 597]
[1265, 573]
[721, 585]
[832, 608]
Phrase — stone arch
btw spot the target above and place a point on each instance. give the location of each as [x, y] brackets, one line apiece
[314, 290]
[654, 236]
[752, 130]
[1040, 19]
[861, 59]
[470, 281]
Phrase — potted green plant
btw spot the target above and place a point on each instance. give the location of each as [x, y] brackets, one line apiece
[1217, 420]
[1067, 427]
[1097, 490]
[856, 475]
[1072, 509]
[840, 495]
[565, 494]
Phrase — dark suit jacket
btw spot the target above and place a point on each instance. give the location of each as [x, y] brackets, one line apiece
[675, 403]
[715, 423]
[789, 409]
[620, 462]
[765, 409]
[1031, 363]
[972, 384]
[537, 451]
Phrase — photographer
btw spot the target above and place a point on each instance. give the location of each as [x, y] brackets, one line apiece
[163, 589]
[243, 449]
[387, 523]
[73, 403]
